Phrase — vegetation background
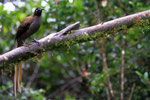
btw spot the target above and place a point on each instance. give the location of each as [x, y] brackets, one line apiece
[114, 67]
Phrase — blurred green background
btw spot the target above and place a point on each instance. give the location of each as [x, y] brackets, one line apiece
[77, 72]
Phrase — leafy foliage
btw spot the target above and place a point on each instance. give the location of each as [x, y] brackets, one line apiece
[6, 92]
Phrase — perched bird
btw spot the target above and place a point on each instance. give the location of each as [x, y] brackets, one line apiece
[28, 26]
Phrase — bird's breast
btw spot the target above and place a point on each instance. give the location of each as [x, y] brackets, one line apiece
[35, 25]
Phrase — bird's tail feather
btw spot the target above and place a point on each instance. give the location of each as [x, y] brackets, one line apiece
[15, 80]
[18, 78]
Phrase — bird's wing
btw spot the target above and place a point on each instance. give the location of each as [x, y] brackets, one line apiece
[24, 26]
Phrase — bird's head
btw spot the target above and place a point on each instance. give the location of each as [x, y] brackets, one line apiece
[37, 12]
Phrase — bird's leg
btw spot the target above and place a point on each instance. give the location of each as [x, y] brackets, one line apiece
[35, 40]
[24, 44]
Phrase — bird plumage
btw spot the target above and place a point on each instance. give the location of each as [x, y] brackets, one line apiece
[28, 26]
[22, 30]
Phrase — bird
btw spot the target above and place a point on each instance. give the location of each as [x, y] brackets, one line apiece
[28, 26]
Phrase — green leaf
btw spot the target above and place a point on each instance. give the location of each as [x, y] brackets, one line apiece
[139, 74]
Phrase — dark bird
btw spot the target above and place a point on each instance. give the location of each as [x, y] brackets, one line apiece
[28, 26]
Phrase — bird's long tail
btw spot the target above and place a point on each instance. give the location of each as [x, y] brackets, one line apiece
[15, 80]
[18, 78]
[18, 74]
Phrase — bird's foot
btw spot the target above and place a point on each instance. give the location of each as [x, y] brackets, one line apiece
[58, 34]
[36, 41]
[24, 44]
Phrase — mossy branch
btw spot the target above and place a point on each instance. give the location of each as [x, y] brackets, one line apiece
[62, 39]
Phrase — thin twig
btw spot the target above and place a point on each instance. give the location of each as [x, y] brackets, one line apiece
[35, 72]
[122, 66]
[131, 94]
[65, 86]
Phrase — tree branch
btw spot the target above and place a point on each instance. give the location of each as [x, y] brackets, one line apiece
[122, 67]
[54, 41]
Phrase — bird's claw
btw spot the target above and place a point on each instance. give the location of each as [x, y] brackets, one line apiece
[24, 44]
[58, 34]
[36, 41]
